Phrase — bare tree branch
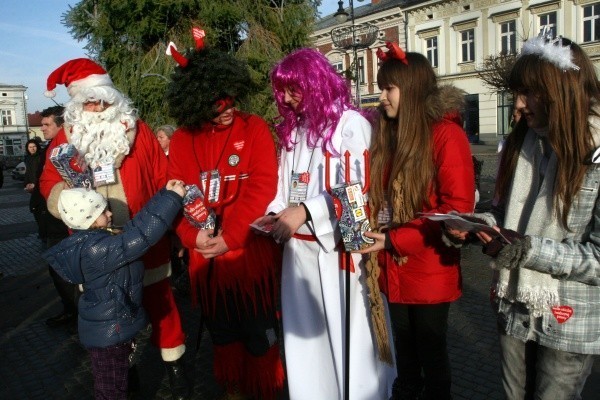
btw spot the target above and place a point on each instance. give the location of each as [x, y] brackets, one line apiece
[495, 71]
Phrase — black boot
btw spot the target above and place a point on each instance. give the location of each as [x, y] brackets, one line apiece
[403, 390]
[180, 388]
[64, 318]
[133, 382]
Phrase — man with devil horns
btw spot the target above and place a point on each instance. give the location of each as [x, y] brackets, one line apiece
[235, 271]
[129, 168]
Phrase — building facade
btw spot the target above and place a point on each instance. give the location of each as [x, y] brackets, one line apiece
[457, 36]
[13, 122]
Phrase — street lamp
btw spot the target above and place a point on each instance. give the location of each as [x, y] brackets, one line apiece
[353, 37]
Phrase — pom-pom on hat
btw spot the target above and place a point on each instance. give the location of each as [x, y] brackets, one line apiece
[77, 74]
[79, 208]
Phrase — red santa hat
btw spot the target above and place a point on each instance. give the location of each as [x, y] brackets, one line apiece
[77, 74]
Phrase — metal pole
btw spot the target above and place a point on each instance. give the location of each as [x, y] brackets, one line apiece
[355, 55]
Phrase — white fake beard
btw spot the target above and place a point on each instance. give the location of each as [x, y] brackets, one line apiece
[100, 137]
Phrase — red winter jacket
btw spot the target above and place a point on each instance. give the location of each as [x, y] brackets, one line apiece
[245, 151]
[432, 272]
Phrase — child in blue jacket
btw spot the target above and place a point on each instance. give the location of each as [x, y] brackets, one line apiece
[106, 262]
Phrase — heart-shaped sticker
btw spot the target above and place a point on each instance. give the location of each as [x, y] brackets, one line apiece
[562, 313]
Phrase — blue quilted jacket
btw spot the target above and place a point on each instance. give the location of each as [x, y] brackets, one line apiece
[111, 272]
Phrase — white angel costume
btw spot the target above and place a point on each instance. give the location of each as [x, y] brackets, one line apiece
[313, 291]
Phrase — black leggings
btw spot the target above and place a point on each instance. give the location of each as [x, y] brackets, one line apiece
[422, 356]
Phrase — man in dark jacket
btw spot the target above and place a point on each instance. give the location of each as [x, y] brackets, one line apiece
[52, 121]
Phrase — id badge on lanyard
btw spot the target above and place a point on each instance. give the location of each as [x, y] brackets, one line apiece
[214, 185]
[298, 188]
[104, 175]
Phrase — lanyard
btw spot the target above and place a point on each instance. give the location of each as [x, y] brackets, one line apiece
[222, 150]
[294, 154]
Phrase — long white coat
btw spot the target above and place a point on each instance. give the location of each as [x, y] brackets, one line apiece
[313, 295]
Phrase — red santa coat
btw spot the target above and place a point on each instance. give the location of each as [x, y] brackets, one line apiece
[244, 150]
[431, 273]
[140, 175]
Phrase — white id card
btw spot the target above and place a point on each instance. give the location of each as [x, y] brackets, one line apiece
[214, 185]
[298, 188]
[104, 175]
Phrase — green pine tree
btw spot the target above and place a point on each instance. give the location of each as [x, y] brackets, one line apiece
[129, 38]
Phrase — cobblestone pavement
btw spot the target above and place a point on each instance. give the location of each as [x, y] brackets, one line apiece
[38, 362]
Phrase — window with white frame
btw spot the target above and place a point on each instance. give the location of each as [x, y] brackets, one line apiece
[339, 67]
[467, 42]
[7, 117]
[361, 70]
[549, 20]
[12, 147]
[431, 47]
[591, 22]
[508, 37]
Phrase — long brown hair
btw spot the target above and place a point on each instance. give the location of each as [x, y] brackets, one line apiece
[403, 146]
[568, 96]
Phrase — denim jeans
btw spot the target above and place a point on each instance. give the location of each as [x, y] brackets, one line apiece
[531, 371]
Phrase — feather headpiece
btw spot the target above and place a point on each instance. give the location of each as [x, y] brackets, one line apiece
[549, 49]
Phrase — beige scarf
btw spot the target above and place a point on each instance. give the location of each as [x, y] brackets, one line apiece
[399, 216]
[530, 210]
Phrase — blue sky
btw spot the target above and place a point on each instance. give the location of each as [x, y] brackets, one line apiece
[35, 42]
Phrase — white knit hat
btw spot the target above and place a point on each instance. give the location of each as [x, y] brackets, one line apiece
[79, 208]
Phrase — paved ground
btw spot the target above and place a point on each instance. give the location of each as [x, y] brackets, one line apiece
[37, 362]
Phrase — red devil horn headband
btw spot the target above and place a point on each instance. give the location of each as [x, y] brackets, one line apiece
[198, 35]
[177, 56]
[394, 52]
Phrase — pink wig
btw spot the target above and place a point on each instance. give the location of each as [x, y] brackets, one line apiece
[325, 96]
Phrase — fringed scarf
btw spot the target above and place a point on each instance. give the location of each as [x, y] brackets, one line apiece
[530, 210]
[399, 216]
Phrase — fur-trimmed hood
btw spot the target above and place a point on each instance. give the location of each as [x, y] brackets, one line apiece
[448, 102]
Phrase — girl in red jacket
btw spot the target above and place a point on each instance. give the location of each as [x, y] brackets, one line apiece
[421, 162]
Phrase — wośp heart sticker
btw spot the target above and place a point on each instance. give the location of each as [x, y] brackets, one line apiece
[562, 313]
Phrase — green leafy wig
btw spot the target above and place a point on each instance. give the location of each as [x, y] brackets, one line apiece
[209, 76]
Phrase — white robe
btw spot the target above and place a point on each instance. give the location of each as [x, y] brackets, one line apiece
[313, 296]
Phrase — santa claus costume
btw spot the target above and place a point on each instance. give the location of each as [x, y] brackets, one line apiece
[234, 272]
[101, 123]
